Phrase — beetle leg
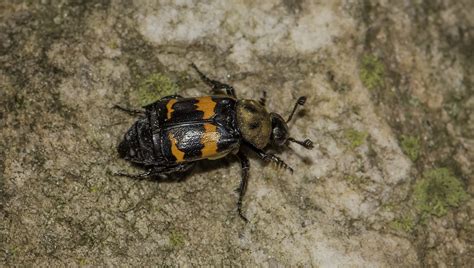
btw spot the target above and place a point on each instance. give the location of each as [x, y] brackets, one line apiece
[244, 161]
[270, 158]
[172, 97]
[263, 99]
[135, 176]
[182, 170]
[275, 159]
[215, 85]
[160, 172]
[127, 110]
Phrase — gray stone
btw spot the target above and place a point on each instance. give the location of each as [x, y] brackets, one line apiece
[375, 73]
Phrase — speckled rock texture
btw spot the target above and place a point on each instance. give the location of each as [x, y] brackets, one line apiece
[390, 109]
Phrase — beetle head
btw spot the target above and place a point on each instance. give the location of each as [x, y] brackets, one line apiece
[280, 133]
[260, 128]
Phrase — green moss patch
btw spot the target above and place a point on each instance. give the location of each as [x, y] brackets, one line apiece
[154, 87]
[372, 72]
[405, 223]
[355, 138]
[176, 239]
[354, 179]
[437, 191]
[411, 146]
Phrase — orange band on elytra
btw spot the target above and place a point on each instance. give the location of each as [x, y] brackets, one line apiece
[209, 139]
[175, 150]
[206, 105]
[169, 108]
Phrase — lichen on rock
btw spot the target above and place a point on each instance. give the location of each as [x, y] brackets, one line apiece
[154, 87]
[411, 146]
[438, 191]
[372, 72]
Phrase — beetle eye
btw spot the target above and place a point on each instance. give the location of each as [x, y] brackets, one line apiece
[277, 133]
[279, 136]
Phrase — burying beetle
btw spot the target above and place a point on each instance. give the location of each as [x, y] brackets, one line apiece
[174, 132]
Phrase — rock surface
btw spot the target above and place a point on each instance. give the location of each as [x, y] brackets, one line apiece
[390, 109]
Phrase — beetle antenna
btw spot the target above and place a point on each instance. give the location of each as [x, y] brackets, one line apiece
[301, 100]
[308, 144]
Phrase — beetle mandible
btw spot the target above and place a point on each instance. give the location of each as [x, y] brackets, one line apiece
[174, 132]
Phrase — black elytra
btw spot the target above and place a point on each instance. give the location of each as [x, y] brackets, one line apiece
[171, 134]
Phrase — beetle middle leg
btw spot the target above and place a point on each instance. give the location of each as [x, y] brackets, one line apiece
[215, 85]
[244, 161]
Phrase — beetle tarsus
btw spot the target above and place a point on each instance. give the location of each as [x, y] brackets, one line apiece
[241, 215]
[270, 157]
[279, 163]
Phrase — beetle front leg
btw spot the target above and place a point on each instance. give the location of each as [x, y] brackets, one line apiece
[215, 85]
[275, 159]
[244, 161]
[270, 158]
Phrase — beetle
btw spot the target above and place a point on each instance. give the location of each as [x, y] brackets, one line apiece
[175, 132]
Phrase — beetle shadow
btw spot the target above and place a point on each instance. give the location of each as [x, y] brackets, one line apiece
[205, 166]
[201, 167]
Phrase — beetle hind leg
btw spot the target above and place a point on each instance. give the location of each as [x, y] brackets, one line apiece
[215, 85]
[161, 173]
[132, 112]
[140, 176]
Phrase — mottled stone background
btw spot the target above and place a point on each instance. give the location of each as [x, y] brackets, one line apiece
[390, 109]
